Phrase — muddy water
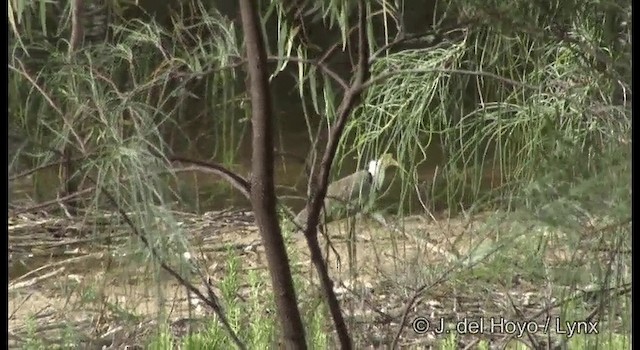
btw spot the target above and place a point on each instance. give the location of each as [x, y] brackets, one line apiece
[199, 138]
[201, 192]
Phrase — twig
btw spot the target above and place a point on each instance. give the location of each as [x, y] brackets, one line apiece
[241, 61]
[58, 263]
[232, 178]
[321, 180]
[50, 202]
[45, 166]
[31, 282]
[20, 305]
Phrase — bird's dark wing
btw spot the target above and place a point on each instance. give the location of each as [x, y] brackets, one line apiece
[360, 192]
[348, 188]
[344, 196]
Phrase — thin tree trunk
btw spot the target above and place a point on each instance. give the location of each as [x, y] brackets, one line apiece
[68, 171]
[263, 197]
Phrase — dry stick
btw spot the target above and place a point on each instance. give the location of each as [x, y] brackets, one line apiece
[55, 244]
[24, 300]
[232, 178]
[242, 61]
[45, 166]
[68, 170]
[31, 282]
[50, 202]
[314, 205]
[472, 344]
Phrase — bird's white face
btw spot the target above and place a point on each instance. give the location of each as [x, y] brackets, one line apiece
[374, 167]
[378, 167]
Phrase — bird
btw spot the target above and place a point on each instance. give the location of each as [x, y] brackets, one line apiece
[351, 193]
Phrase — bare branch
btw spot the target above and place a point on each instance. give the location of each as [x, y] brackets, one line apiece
[77, 29]
[321, 179]
[344, 110]
[235, 180]
[49, 203]
[231, 177]
[318, 63]
[241, 61]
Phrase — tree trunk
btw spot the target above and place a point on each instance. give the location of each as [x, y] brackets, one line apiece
[263, 197]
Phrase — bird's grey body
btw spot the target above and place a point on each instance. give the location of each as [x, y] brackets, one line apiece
[348, 195]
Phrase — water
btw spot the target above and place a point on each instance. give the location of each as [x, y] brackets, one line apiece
[200, 192]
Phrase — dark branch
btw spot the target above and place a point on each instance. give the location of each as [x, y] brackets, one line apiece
[235, 180]
[321, 180]
[263, 196]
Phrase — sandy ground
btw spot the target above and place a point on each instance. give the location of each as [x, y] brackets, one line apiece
[94, 292]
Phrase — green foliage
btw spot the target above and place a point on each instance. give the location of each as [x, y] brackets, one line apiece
[126, 100]
[163, 341]
[511, 99]
[533, 94]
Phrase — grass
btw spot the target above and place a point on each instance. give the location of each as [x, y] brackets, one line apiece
[511, 266]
